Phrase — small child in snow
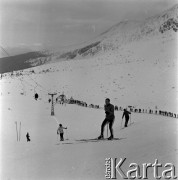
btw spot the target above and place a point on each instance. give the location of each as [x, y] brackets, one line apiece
[61, 132]
[126, 114]
[28, 137]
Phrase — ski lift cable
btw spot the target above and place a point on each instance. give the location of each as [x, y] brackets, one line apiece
[4, 50]
[34, 87]
[29, 84]
[38, 84]
[22, 85]
[26, 82]
[22, 80]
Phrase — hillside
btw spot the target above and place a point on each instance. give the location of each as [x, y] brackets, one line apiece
[120, 34]
[150, 137]
[133, 63]
[131, 76]
[141, 74]
[22, 61]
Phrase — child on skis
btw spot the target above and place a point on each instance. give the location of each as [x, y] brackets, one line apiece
[126, 114]
[61, 132]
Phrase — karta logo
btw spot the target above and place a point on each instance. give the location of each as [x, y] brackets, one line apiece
[114, 168]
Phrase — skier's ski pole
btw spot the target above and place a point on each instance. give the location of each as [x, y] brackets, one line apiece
[107, 130]
[16, 130]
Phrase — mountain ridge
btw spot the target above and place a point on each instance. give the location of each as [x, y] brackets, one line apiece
[122, 33]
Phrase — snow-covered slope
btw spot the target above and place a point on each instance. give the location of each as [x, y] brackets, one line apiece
[150, 137]
[128, 31]
[140, 72]
[125, 32]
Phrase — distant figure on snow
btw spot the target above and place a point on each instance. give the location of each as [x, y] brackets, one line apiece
[126, 114]
[36, 96]
[61, 132]
[109, 110]
[28, 137]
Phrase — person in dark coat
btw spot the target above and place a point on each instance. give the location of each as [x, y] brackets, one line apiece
[36, 96]
[109, 111]
[126, 114]
[28, 137]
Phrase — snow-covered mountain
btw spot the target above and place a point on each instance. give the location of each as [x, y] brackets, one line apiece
[128, 31]
[133, 63]
[125, 32]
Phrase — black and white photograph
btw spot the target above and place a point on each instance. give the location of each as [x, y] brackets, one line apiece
[88, 89]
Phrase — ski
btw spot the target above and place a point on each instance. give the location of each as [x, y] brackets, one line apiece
[96, 139]
[128, 125]
[88, 141]
[92, 140]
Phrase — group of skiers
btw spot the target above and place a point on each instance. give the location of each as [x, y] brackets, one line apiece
[109, 119]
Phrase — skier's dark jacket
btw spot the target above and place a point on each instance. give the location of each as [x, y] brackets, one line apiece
[126, 114]
[109, 110]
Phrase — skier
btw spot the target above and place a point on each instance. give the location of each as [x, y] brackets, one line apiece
[109, 110]
[36, 96]
[126, 114]
[61, 132]
[28, 137]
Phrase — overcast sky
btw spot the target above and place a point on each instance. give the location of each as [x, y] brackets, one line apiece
[41, 23]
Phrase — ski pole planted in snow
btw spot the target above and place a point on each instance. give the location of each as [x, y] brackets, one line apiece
[16, 130]
[20, 131]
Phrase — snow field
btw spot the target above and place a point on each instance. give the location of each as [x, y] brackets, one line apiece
[150, 137]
